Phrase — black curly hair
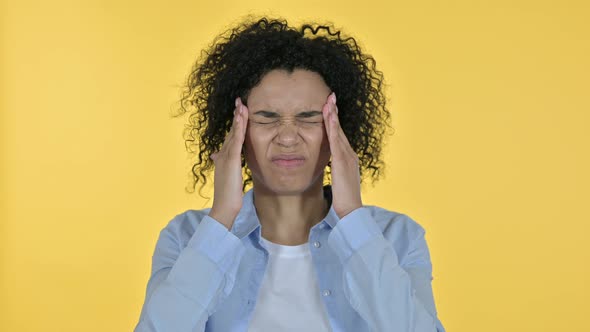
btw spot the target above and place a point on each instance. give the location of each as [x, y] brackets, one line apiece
[237, 60]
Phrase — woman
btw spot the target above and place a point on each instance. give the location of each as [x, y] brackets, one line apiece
[275, 106]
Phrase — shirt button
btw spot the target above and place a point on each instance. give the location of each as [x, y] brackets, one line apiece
[317, 244]
[326, 292]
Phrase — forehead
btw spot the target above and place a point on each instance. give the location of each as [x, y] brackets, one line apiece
[281, 91]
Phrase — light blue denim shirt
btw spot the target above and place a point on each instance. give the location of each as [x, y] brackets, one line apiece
[373, 268]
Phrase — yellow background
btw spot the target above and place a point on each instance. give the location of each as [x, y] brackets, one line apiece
[491, 155]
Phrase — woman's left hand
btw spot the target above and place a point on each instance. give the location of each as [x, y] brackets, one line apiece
[346, 181]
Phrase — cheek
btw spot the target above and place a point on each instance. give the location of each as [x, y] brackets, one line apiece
[256, 142]
[317, 140]
[325, 153]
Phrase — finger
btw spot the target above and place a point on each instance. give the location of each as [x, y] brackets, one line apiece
[244, 120]
[231, 131]
[334, 119]
[238, 136]
[333, 122]
[332, 127]
[340, 145]
[326, 116]
[230, 135]
[340, 137]
[233, 148]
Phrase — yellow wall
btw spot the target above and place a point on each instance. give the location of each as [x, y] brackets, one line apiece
[491, 154]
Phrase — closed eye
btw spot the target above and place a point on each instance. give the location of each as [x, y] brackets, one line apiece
[310, 117]
[268, 114]
[265, 121]
[309, 114]
[269, 117]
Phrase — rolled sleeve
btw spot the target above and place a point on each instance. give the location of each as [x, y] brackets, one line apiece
[187, 284]
[352, 232]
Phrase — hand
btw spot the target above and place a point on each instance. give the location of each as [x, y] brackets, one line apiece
[346, 180]
[227, 195]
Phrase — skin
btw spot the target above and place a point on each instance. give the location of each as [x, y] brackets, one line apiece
[290, 115]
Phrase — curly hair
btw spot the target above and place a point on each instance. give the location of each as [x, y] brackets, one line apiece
[237, 60]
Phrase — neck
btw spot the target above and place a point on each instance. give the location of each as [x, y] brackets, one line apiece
[287, 219]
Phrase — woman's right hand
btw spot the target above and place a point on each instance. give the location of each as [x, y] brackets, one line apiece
[227, 195]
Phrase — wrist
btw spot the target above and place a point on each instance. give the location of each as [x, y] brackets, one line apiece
[225, 218]
[344, 212]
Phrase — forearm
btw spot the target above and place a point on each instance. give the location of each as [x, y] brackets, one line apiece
[183, 292]
[382, 292]
[388, 296]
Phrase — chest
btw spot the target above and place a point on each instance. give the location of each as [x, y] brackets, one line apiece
[266, 285]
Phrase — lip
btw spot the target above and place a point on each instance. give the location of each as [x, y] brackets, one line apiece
[288, 157]
[288, 160]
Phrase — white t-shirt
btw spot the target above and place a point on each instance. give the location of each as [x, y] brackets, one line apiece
[289, 297]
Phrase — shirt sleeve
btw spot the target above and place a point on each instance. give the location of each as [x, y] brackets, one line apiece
[388, 296]
[187, 284]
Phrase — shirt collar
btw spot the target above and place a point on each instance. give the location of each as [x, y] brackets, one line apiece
[247, 219]
[331, 218]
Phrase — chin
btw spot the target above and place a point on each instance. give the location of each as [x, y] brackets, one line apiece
[289, 185]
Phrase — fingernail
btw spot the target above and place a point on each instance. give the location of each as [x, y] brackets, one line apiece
[334, 98]
[237, 101]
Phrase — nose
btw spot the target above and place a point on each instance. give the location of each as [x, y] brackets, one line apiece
[287, 134]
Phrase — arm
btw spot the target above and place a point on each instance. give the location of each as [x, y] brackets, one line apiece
[187, 284]
[388, 296]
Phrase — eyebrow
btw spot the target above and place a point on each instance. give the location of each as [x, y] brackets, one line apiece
[270, 114]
